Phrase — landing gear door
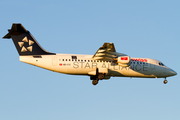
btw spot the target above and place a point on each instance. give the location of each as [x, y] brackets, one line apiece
[103, 70]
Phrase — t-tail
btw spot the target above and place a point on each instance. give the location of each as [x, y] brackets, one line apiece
[24, 41]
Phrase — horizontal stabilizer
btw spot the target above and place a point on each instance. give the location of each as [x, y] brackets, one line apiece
[16, 29]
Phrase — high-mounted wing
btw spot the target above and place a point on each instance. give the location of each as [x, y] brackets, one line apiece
[107, 52]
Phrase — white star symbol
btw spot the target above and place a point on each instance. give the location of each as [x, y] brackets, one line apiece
[24, 49]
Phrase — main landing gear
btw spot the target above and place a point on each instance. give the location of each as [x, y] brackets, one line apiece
[165, 81]
[96, 78]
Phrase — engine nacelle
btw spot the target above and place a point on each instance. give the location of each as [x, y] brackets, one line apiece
[123, 61]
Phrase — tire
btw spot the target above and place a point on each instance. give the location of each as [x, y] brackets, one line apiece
[95, 82]
[165, 81]
[101, 76]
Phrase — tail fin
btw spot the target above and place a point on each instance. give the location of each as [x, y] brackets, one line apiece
[25, 42]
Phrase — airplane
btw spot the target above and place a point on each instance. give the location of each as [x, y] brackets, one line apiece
[103, 65]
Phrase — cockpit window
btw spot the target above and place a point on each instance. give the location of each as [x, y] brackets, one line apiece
[161, 64]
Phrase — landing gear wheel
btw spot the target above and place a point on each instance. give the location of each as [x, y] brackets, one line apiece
[101, 76]
[95, 82]
[165, 81]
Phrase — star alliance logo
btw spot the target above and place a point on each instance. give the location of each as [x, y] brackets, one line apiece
[23, 48]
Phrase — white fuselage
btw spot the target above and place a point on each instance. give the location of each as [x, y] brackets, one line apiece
[86, 65]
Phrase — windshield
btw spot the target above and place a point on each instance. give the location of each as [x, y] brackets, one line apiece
[161, 64]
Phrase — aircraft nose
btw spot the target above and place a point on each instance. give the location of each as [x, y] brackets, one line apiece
[172, 72]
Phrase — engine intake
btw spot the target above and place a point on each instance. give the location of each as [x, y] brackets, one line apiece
[123, 61]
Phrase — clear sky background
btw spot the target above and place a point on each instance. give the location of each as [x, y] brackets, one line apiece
[138, 28]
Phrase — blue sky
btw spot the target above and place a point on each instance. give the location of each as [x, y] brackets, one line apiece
[147, 29]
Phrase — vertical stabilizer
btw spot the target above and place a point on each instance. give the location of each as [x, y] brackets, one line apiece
[24, 41]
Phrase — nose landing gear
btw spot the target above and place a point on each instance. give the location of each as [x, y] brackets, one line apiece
[165, 81]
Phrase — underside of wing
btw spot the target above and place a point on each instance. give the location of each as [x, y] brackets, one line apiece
[107, 52]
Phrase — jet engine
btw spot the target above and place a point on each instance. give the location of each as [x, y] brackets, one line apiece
[123, 61]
